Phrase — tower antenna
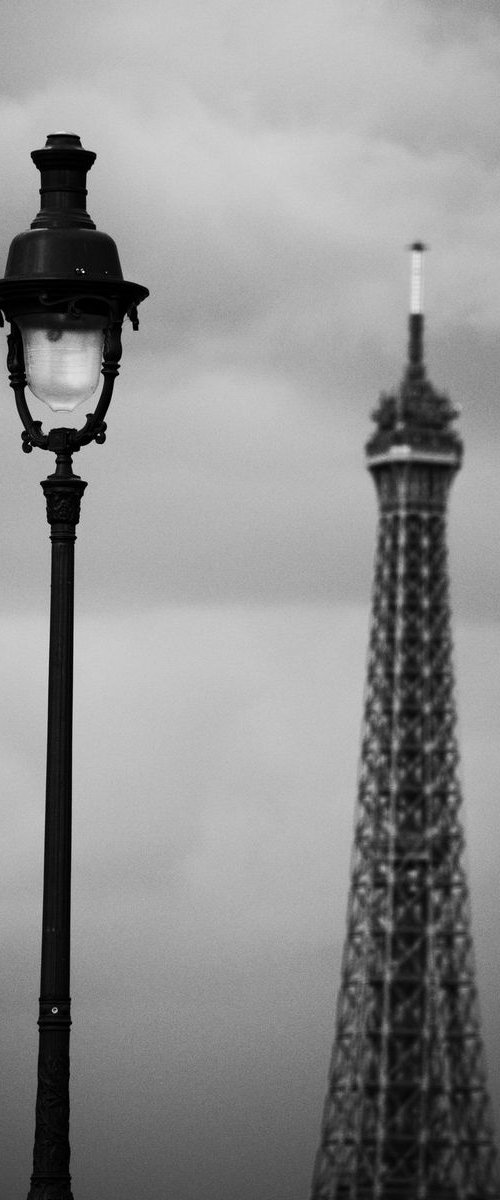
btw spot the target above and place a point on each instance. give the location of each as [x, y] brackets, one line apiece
[416, 318]
[417, 278]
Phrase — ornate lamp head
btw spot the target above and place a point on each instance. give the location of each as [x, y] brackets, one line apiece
[66, 299]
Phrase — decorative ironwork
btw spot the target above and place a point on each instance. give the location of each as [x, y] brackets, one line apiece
[407, 1115]
[63, 503]
[50, 1191]
[52, 1152]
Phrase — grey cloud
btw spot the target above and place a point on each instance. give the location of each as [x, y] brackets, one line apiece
[261, 173]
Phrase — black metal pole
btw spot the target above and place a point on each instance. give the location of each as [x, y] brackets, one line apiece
[51, 1179]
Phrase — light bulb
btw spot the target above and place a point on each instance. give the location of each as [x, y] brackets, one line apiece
[62, 356]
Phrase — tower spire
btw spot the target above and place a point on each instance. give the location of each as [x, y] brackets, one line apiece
[415, 421]
[417, 278]
[416, 369]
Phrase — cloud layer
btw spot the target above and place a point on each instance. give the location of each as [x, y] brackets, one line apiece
[262, 169]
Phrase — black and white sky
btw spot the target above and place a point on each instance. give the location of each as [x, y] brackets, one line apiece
[262, 167]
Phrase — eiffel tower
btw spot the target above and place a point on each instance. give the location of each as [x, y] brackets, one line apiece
[407, 1114]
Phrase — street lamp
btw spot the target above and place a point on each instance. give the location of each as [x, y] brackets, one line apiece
[65, 298]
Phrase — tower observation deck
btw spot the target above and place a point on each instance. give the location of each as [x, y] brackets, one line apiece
[407, 1114]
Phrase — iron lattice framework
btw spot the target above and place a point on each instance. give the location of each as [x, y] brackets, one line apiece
[407, 1115]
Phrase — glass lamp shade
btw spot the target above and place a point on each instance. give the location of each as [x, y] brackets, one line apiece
[62, 356]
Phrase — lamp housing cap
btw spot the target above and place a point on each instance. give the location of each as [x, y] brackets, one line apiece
[63, 251]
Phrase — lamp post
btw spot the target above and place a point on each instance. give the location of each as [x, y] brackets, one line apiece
[65, 298]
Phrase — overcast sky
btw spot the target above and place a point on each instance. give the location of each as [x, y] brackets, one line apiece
[262, 167]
